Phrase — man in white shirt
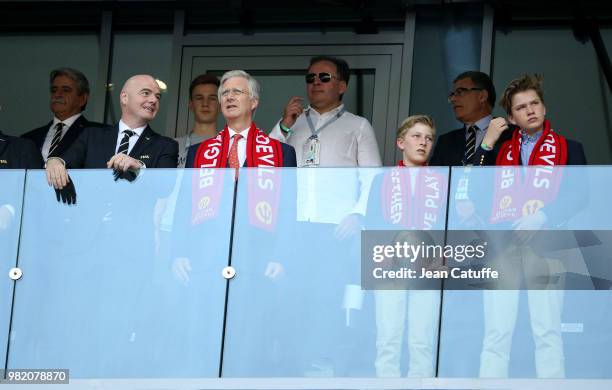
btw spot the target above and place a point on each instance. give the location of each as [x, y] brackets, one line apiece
[69, 94]
[331, 204]
[337, 138]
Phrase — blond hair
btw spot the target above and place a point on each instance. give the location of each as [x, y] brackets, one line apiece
[413, 120]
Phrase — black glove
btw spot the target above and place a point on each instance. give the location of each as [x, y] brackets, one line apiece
[127, 175]
[68, 193]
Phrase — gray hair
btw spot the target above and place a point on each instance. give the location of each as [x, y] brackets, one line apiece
[253, 84]
[79, 78]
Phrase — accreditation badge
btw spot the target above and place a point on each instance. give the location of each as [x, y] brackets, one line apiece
[312, 152]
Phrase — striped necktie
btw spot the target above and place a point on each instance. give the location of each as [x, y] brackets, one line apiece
[57, 137]
[125, 141]
[470, 146]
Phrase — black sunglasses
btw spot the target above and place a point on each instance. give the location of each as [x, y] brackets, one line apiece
[324, 77]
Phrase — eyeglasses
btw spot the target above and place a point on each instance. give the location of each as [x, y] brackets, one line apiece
[324, 77]
[459, 92]
[233, 92]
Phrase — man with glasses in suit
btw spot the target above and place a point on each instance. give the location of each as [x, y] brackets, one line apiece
[472, 99]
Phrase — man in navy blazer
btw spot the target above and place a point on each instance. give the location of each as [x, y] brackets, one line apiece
[69, 90]
[18, 153]
[239, 97]
[128, 146]
[472, 100]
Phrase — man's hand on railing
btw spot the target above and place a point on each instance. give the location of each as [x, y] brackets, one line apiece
[122, 162]
[57, 175]
[124, 167]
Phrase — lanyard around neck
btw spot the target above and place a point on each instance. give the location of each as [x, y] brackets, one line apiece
[329, 122]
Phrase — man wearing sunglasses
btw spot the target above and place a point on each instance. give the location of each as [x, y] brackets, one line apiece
[472, 99]
[341, 139]
[326, 135]
[330, 207]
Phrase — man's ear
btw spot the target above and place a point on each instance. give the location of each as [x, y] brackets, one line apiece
[400, 143]
[342, 87]
[254, 103]
[484, 97]
[190, 105]
[511, 119]
[83, 99]
[123, 98]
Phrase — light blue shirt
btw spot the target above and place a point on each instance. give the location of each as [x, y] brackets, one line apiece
[527, 144]
[483, 125]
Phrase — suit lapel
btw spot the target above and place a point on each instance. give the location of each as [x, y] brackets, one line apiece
[3, 143]
[144, 140]
[41, 134]
[109, 146]
[71, 135]
[459, 152]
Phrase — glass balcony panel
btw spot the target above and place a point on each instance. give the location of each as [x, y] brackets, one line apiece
[105, 292]
[535, 220]
[11, 197]
[296, 307]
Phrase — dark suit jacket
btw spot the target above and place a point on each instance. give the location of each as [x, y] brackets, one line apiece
[289, 159]
[95, 146]
[19, 153]
[38, 135]
[450, 149]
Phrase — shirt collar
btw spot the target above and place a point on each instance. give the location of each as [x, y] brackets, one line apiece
[329, 113]
[244, 133]
[530, 139]
[482, 123]
[67, 122]
[123, 126]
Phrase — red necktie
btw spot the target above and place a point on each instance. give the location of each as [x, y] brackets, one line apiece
[234, 162]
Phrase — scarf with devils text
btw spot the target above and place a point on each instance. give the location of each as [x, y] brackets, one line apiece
[520, 192]
[262, 152]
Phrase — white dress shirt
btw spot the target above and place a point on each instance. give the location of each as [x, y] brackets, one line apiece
[49, 138]
[242, 143]
[347, 142]
[329, 195]
[133, 140]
